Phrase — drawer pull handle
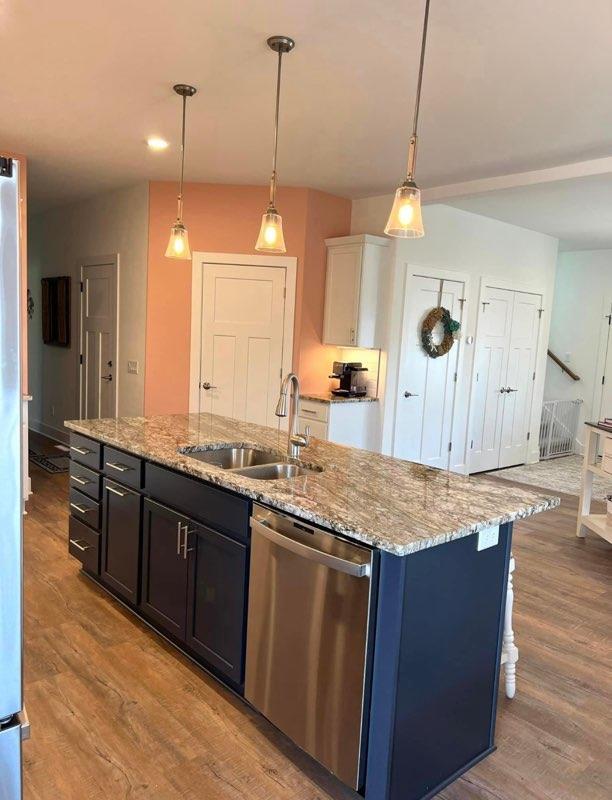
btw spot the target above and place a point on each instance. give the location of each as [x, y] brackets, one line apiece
[117, 492]
[118, 467]
[308, 411]
[81, 509]
[79, 546]
[81, 481]
[82, 451]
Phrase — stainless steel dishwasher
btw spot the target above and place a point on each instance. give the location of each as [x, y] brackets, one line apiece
[307, 638]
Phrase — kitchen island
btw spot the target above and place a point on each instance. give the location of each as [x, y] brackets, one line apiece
[172, 536]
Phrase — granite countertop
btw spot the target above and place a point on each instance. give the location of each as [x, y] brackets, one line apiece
[328, 397]
[395, 505]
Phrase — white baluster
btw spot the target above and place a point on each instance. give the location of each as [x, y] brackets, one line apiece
[510, 653]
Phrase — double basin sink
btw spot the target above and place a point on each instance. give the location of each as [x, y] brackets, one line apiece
[252, 463]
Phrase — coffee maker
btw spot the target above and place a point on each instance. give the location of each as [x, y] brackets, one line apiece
[352, 377]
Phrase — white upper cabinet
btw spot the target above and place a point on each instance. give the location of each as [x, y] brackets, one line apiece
[354, 289]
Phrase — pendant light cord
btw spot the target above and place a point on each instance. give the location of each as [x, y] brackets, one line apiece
[417, 103]
[180, 194]
[276, 113]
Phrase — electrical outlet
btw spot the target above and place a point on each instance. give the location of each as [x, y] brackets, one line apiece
[488, 538]
[133, 367]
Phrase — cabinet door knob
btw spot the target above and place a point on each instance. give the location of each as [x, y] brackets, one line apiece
[206, 385]
[410, 394]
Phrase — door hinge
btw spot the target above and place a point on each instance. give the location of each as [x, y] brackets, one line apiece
[81, 286]
[284, 292]
[455, 378]
[472, 445]
[603, 379]
[477, 374]
[528, 436]
[80, 358]
[450, 446]
[533, 377]
[6, 167]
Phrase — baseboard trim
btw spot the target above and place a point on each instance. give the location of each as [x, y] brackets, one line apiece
[57, 434]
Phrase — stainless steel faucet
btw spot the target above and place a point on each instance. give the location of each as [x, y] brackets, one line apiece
[296, 439]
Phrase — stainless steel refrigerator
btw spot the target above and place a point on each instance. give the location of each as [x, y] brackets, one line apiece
[11, 623]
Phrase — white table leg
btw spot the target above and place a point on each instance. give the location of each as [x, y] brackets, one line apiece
[510, 653]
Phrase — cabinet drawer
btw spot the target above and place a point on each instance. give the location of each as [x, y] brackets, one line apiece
[122, 467]
[85, 480]
[85, 509]
[85, 451]
[606, 463]
[84, 545]
[221, 510]
[317, 429]
[309, 409]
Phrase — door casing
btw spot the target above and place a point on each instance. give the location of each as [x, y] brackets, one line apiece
[199, 259]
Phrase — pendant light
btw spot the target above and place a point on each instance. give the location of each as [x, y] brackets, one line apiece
[271, 239]
[178, 244]
[405, 220]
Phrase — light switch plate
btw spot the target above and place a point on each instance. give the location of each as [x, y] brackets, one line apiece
[133, 367]
[488, 538]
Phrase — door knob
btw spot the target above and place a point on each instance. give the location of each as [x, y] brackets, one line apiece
[106, 377]
[511, 390]
[410, 394]
[206, 385]
[502, 390]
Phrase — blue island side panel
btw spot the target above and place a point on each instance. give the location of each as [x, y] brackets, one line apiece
[439, 627]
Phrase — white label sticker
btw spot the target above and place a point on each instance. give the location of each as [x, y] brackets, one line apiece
[488, 538]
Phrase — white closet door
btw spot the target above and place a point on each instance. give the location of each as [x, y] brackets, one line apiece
[494, 332]
[519, 378]
[243, 311]
[423, 421]
[603, 378]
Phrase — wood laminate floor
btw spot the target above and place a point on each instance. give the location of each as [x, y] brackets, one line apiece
[117, 713]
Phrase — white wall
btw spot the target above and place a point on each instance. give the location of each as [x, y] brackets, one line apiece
[582, 289]
[479, 247]
[59, 239]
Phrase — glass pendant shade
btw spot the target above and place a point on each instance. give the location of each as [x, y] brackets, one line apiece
[178, 244]
[405, 220]
[271, 239]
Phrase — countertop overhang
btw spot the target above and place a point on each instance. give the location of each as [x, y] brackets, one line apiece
[394, 505]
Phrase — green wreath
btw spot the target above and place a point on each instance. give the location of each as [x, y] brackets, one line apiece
[451, 328]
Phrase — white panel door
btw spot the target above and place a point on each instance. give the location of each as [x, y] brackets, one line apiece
[519, 378]
[426, 386]
[491, 366]
[603, 378]
[98, 336]
[243, 310]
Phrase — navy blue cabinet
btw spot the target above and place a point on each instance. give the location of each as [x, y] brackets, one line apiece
[164, 568]
[120, 567]
[217, 600]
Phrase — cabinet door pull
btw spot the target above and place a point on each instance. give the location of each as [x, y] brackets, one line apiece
[82, 451]
[118, 467]
[179, 531]
[79, 546]
[81, 509]
[116, 491]
[81, 481]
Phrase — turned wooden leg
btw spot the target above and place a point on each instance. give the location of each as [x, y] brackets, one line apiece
[510, 652]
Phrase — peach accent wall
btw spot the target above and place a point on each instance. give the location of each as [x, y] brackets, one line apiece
[226, 219]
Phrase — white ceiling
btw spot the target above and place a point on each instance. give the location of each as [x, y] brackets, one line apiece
[578, 212]
[510, 85]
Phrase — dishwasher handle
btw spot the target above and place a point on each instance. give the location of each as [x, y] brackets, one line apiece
[311, 553]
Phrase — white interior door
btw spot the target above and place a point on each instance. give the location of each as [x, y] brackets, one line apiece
[243, 309]
[98, 337]
[602, 406]
[426, 386]
[520, 376]
[508, 335]
[490, 369]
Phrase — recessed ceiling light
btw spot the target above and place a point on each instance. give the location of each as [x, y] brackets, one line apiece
[157, 143]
